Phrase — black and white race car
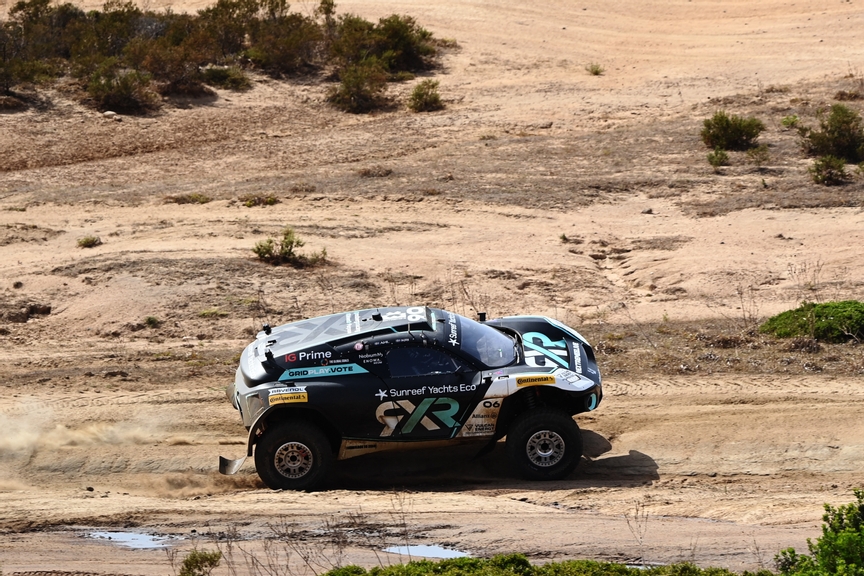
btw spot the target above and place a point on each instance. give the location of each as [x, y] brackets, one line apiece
[334, 387]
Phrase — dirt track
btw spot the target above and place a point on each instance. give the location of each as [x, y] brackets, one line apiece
[731, 459]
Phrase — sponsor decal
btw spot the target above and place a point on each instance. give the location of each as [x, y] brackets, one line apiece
[358, 346]
[425, 414]
[352, 322]
[540, 349]
[453, 337]
[483, 418]
[372, 358]
[424, 390]
[288, 395]
[535, 380]
[317, 372]
[482, 429]
[577, 357]
[412, 314]
[322, 355]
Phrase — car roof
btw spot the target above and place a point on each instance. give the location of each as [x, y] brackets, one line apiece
[348, 326]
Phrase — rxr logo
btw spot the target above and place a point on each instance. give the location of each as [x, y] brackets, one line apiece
[390, 414]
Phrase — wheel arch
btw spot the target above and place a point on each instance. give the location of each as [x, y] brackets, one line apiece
[276, 414]
[533, 397]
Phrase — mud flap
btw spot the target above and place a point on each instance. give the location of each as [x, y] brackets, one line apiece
[229, 467]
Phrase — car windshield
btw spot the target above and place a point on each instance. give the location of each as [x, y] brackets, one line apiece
[491, 347]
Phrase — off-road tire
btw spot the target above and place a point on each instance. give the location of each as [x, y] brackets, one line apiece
[544, 444]
[293, 456]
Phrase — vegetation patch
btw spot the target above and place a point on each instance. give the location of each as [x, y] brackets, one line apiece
[284, 251]
[840, 549]
[840, 134]
[123, 55]
[829, 171]
[89, 242]
[731, 132]
[425, 97]
[194, 198]
[252, 200]
[827, 322]
[228, 77]
[594, 69]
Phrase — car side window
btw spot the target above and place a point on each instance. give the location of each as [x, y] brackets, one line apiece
[419, 362]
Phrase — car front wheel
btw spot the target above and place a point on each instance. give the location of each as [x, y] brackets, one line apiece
[293, 456]
[544, 444]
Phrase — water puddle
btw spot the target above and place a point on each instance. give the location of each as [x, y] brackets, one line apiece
[426, 551]
[131, 539]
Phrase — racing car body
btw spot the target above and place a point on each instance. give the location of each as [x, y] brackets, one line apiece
[348, 384]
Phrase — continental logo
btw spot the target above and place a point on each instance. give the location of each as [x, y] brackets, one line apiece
[535, 380]
[288, 395]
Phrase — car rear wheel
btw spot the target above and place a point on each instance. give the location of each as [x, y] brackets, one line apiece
[544, 444]
[293, 456]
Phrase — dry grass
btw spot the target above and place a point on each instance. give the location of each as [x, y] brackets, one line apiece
[715, 347]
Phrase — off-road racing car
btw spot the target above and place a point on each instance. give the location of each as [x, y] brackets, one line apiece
[334, 387]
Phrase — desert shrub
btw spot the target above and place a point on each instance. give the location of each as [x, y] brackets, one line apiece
[152, 322]
[397, 43]
[790, 121]
[226, 25]
[594, 69]
[284, 44]
[846, 95]
[759, 155]
[106, 33]
[361, 88]
[230, 77]
[829, 171]
[425, 97]
[718, 158]
[251, 200]
[284, 251]
[840, 134]
[828, 322]
[212, 313]
[731, 132]
[118, 89]
[193, 198]
[840, 549]
[199, 563]
[89, 242]
[375, 171]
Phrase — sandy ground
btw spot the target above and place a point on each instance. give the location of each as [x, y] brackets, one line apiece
[109, 424]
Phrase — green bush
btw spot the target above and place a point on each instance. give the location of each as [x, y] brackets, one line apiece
[193, 198]
[425, 97]
[361, 88]
[840, 549]
[829, 171]
[840, 134]
[829, 322]
[121, 90]
[252, 200]
[595, 69]
[285, 44]
[89, 242]
[790, 121]
[718, 158]
[518, 565]
[152, 322]
[731, 132]
[759, 155]
[397, 43]
[230, 78]
[284, 251]
[199, 563]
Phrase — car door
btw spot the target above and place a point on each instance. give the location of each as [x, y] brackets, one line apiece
[427, 394]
